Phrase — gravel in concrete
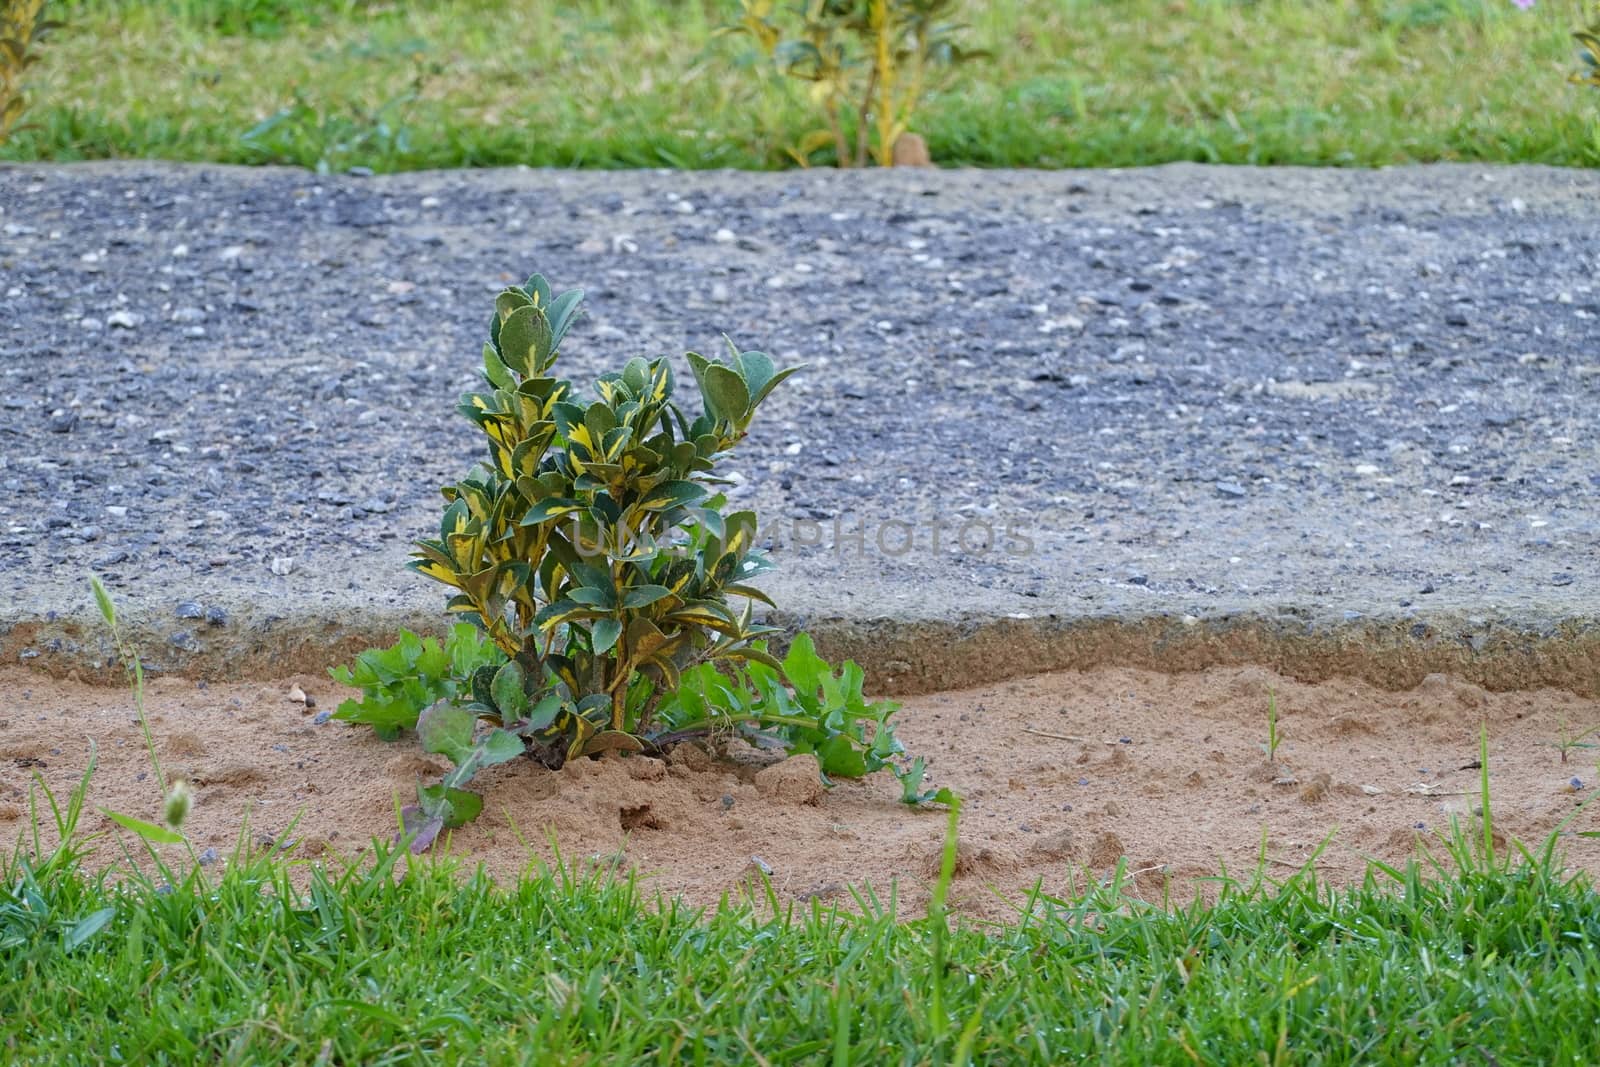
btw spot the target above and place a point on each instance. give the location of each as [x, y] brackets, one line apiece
[1177, 415]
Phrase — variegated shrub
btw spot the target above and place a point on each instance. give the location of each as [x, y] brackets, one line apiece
[606, 584]
[590, 545]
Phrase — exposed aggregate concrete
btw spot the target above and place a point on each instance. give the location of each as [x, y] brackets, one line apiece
[1332, 421]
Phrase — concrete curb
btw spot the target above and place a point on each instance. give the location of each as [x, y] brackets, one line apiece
[913, 655]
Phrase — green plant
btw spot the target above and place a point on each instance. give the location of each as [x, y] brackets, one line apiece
[242, 18]
[1569, 740]
[868, 58]
[1273, 737]
[819, 710]
[628, 84]
[447, 730]
[589, 547]
[593, 565]
[1589, 42]
[21, 28]
[27, 912]
[175, 795]
[398, 682]
[133, 669]
[326, 140]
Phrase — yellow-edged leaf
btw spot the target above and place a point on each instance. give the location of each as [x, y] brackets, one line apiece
[430, 568]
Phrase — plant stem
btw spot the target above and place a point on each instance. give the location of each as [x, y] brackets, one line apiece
[936, 917]
[841, 146]
[862, 125]
[883, 75]
[135, 671]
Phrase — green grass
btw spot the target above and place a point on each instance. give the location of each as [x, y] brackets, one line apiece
[1477, 960]
[627, 83]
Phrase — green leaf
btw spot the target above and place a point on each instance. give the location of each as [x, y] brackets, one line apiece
[670, 495]
[499, 747]
[840, 758]
[563, 310]
[388, 716]
[550, 508]
[87, 927]
[454, 807]
[636, 376]
[494, 370]
[509, 692]
[159, 835]
[803, 667]
[510, 300]
[772, 383]
[562, 611]
[757, 369]
[698, 365]
[644, 595]
[525, 340]
[604, 634]
[447, 730]
[750, 652]
[595, 598]
[711, 520]
[544, 713]
[725, 393]
[537, 287]
[749, 591]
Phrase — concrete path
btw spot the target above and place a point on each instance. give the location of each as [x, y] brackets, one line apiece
[1331, 421]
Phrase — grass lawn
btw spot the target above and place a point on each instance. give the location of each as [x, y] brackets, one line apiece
[1477, 960]
[629, 83]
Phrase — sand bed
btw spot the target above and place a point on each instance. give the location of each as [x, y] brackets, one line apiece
[1065, 776]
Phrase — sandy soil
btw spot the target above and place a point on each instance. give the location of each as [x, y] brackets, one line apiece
[1065, 775]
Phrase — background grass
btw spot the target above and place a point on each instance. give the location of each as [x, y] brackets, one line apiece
[629, 83]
